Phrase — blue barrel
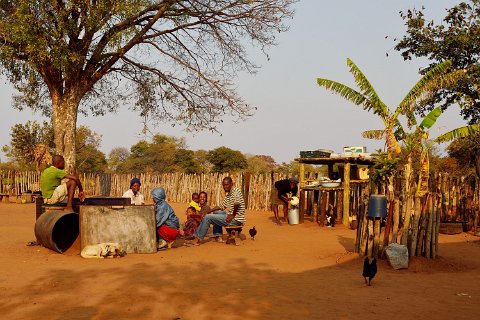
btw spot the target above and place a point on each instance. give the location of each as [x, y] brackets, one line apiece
[377, 206]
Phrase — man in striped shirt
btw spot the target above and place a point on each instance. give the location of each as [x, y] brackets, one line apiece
[231, 212]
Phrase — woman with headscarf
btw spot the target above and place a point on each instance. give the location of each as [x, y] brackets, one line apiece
[136, 197]
[168, 225]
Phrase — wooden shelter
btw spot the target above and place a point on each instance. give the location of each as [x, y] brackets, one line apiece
[317, 200]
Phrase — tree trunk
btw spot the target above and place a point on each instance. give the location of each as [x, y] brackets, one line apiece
[64, 121]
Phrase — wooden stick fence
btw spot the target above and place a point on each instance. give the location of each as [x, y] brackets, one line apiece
[415, 221]
[179, 186]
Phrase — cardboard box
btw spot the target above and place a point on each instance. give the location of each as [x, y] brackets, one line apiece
[355, 149]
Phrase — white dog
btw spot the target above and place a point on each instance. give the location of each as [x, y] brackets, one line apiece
[103, 250]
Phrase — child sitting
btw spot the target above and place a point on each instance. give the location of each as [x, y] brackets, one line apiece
[195, 201]
[193, 221]
[168, 225]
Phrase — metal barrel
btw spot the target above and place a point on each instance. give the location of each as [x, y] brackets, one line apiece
[293, 215]
[57, 230]
[377, 206]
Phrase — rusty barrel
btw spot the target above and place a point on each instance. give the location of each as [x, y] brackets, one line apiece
[57, 230]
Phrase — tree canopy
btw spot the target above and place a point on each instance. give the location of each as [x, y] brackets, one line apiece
[180, 57]
[455, 38]
[225, 159]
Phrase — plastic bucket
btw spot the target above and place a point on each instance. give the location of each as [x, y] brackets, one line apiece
[293, 215]
[57, 230]
[377, 206]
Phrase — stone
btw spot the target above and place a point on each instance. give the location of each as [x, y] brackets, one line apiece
[397, 256]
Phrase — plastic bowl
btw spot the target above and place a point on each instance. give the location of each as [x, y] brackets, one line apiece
[328, 184]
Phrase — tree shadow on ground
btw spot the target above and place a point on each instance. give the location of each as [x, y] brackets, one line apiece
[157, 289]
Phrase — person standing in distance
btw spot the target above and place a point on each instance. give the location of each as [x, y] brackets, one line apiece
[281, 194]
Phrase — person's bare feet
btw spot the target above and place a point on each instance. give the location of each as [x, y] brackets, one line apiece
[192, 243]
[219, 239]
[81, 196]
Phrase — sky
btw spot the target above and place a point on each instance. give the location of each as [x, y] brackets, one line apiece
[294, 113]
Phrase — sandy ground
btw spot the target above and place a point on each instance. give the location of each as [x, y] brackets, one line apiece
[287, 272]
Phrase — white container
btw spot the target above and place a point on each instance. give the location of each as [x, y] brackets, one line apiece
[293, 215]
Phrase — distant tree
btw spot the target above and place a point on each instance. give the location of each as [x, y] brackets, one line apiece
[225, 159]
[155, 156]
[185, 159]
[26, 141]
[292, 168]
[117, 158]
[66, 57]
[32, 146]
[201, 157]
[260, 164]
[89, 157]
[456, 38]
[467, 152]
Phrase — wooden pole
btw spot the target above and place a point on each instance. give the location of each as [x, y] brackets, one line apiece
[434, 226]
[346, 194]
[428, 241]
[422, 226]
[396, 221]
[416, 219]
[301, 185]
[406, 221]
[363, 226]
[388, 225]
[376, 241]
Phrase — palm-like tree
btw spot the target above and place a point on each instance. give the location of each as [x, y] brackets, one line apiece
[366, 97]
[369, 100]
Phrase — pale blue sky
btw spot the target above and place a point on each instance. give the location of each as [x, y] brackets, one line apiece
[293, 112]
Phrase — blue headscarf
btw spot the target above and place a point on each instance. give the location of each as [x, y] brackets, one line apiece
[164, 213]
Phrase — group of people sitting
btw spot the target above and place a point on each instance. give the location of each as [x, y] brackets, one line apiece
[56, 186]
[199, 215]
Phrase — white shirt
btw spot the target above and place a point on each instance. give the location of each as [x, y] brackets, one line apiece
[136, 199]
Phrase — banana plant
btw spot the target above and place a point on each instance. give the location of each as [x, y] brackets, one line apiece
[368, 99]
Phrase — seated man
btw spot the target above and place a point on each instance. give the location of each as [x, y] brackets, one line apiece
[136, 197]
[54, 190]
[231, 212]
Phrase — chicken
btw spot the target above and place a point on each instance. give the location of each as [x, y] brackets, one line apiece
[369, 269]
[252, 233]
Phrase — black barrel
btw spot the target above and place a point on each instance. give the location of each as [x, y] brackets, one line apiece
[57, 230]
[377, 206]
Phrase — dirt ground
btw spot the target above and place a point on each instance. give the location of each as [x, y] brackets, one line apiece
[287, 272]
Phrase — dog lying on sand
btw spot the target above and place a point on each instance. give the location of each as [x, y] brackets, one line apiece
[103, 250]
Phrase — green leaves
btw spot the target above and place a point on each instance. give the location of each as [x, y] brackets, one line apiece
[431, 118]
[458, 133]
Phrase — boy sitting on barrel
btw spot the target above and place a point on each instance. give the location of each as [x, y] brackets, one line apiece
[54, 190]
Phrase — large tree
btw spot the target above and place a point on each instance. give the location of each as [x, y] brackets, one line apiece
[455, 38]
[70, 56]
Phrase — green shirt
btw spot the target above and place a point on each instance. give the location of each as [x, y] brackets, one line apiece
[50, 179]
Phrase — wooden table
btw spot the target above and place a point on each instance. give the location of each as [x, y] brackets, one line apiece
[348, 163]
[316, 201]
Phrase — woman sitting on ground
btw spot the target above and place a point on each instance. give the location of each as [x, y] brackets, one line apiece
[194, 218]
[168, 225]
